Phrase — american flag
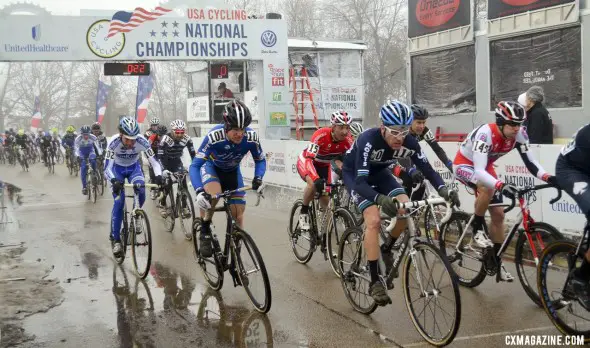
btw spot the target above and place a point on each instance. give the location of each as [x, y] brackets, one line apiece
[124, 22]
[102, 95]
[36, 120]
[145, 84]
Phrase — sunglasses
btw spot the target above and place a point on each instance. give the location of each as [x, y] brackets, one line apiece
[399, 132]
[178, 132]
[513, 124]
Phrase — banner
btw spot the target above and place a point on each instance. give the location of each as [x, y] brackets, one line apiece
[197, 109]
[502, 8]
[444, 81]
[251, 101]
[430, 16]
[145, 84]
[552, 60]
[37, 118]
[102, 95]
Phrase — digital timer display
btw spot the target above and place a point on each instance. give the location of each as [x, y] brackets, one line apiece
[219, 71]
[126, 69]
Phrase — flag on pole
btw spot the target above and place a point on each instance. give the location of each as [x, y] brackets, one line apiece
[145, 84]
[36, 120]
[102, 95]
[124, 22]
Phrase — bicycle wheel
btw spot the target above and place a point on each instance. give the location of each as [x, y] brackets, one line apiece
[141, 236]
[560, 305]
[210, 267]
[302, 253]
[170, 216]
[354, 270]
[465, 260]
[335, 232]
[431, 290]
[100, 183]
[431, 218]
[186, 222]
[248, 265]
[526, 255]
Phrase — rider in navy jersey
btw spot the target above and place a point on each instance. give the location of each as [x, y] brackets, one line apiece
[216, 167]
[368, 163]
[572, 171]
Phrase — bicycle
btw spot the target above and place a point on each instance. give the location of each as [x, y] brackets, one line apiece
[530, 230]
[50, 160]
[130, 230]
[555, 293]
[73, 165]
[22, 159]
[92, 181]
[101, 180]
[409, 248]
[175, 207]
[229, 259]
[327, 235]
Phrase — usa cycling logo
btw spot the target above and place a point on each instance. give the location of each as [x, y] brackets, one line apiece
[268, 38]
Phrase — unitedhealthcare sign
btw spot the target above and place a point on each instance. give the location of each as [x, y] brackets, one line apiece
[32, 47]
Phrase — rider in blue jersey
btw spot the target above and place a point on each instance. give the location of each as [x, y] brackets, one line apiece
[122, 162]
[216, 167]
[368, 163]
[84, 149]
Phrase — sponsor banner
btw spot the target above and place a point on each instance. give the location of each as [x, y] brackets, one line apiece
[502, 8]
[430, 16]
[278, 119]
[251, 101]
[197, 109]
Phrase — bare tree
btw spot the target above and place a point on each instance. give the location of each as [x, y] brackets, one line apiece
[302, 18]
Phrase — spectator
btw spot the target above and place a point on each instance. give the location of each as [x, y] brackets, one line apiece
[539, 125]
[223, 91]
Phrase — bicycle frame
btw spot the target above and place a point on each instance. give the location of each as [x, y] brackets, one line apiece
[135, 196]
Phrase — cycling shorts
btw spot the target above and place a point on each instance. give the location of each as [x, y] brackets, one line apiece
[229, 180]
[465, 173]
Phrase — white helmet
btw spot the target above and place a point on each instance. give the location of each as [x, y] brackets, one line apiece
[178, 125]
[154, 121]
[340, 118]
[356, 129]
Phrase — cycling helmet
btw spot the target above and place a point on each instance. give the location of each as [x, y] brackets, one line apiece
[154, 121]
[419, 112]
[395, 113]
[129, 127]
[356, 129]
[178, 126]
[96, 126]
[70, 129]
[47, 135]
[85, 129]
[21, 132]
[162, 130]
[340, 118]
[236, 115]
[510, 112]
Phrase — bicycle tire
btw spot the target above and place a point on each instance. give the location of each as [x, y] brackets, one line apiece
[170, 218]
[531, 290]
[547, 303]
[431, 236]
[302, 259]
[254, 252]
[350, 221]
[358, 232]
[408, 263]
[183, 194]
[214, 285]
[142, 273]
[463, 219]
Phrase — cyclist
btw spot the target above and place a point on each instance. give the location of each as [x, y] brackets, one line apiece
[67, 141]
[216, 166]
[102, 139]
[573, 175]
[154, 129]
[313, 164]
[21, 141]
[84, 149]
[170, 154]
[154, 141]
[368, 163]
[356, 129]
[45, 142]
[154, 126]
[122, 162]
[474, 166]
[405, 170]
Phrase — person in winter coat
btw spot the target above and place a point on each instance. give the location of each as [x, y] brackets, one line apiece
[539, 125]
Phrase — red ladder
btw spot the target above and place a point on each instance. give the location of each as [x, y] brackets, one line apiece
[301, 97]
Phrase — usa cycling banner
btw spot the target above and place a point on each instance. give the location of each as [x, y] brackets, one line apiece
[430, 16]
[502, 8]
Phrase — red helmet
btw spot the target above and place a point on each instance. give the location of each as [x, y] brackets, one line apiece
[340, 118]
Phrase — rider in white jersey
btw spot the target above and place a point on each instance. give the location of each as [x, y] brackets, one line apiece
[122, 162]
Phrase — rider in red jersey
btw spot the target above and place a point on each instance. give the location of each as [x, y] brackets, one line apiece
[313, 165]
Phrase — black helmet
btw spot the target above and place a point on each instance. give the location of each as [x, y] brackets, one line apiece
[96, 126]
[419, 112]
[236, 115]
[162, 130]
[510, 112]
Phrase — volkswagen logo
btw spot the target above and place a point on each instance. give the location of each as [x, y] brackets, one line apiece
[268, 38]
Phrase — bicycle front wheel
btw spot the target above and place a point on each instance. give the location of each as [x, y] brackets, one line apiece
[249, 264]
[210, 267]
[338, 222]
[429, 283]
[560, 303]
[301, 240]
[141, 244]
[527, 253]
[184, 201]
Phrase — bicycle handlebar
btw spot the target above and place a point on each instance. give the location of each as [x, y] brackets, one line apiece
[138, 186]
[522, 192]
[226, 194]
[418, 204]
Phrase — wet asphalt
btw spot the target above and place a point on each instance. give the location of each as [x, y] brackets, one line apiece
[105, 305]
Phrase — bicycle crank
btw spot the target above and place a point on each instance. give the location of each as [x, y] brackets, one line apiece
[490, 264]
